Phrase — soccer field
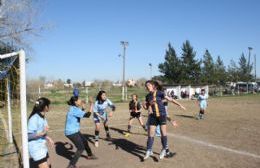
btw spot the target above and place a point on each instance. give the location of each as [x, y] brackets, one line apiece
[228, 137]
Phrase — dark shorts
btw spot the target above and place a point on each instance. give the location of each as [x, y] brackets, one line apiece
[135, 114]
[35, 164]
[153, 120]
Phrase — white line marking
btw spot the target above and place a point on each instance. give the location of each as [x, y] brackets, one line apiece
[213, 146]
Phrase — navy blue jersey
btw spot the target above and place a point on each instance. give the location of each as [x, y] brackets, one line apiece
[134, 106]
[155, 100]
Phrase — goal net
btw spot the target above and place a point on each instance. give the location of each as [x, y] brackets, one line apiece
[13, 109]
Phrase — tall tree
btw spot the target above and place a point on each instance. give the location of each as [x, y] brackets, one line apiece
[245, 69]
[233, 75]
[17, 21]
[208, 69]
[220, 72]
[171, 68]
[191, 70]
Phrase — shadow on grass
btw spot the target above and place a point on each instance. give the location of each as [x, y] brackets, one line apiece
[185, 116]
[128, 146]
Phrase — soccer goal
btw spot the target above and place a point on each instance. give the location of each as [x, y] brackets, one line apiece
[13, 100]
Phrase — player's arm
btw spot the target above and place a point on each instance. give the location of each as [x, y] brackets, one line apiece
[175, 102]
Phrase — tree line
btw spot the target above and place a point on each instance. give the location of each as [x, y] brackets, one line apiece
[187, 69]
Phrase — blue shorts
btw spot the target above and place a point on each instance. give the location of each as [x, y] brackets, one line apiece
[98, 119]
[203, 106]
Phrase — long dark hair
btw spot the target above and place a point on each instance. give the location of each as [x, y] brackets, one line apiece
[99, 98]
[72, 101]
[39, 106]
[156, 84]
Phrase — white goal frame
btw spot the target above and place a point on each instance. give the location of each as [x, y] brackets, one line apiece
[23, 105]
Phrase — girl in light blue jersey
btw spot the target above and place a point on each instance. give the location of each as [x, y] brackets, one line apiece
[100, 114]
[37, 134]
[72, 129]
[202, 100]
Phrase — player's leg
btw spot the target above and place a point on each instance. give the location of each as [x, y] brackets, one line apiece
[130, 123]
[164, 141]
[77, 141]
[107, 129]
[97, 129]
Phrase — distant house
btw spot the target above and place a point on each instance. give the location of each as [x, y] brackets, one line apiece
[131, 83]
[48, 85]
[117, 84]
[68, 85]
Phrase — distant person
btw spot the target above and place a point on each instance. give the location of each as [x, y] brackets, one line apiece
[37, 134]
[135, 112]
[72, 129]
[157, 116]
[100, 114]
[76, 92]
[202, 100]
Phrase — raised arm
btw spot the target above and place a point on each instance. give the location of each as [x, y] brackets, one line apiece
[175, 102]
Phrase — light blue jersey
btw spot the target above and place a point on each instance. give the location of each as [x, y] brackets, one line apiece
[72, 125]
[101, 110]
[37, 147]
[203, 101]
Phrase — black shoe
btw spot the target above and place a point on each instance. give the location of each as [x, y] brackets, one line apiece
[170, 154]
[108, 136]
[92, 157]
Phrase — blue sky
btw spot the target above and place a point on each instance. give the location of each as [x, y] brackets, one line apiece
[84, 42]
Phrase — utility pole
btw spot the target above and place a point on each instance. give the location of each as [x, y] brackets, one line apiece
[124, 44]
[151, 70]
[255, 67]
[249, 55]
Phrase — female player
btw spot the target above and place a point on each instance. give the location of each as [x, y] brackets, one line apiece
[202, 100]
[157, 116]
[72, 129]
[37, 134]
[100, 114]
[135, 112]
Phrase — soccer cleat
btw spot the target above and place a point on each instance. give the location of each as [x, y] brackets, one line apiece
[108, 136]
[170, 154]
[162, 154]
[92, 157]
[96, 144]
[148, 154]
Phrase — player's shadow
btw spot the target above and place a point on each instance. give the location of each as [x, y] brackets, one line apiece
[128, 146]
[123, 132]
[185, 116]
[65, 149]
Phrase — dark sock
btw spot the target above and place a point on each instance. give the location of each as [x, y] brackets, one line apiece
[150, 143]
[164, 141]
[129, 128]
[96, 135]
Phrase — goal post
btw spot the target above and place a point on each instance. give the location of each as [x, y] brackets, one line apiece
[23, 105]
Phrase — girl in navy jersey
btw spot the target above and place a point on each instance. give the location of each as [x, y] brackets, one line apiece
[135, 112]
[157, 116]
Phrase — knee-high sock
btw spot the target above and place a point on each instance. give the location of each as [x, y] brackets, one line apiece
[96, 135]
[164, 142]
[150, 143]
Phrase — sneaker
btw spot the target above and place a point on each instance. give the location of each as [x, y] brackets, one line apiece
[92, 157]
[96, 144]
[169, 154]
[108, 136]
[162, 154]
[198, 117]
[148, 154]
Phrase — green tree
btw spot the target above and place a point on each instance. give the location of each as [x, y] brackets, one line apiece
[244, 69]
[171, 68]
[191, 70]
[233, 75]
[220, 72]
[208, 69]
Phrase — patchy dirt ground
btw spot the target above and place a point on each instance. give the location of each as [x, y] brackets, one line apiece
[229, 136]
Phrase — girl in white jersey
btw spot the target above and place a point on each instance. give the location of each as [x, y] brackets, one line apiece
[202, 100]
[100, 114]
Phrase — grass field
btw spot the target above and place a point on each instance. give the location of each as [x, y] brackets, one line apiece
[228, 137]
